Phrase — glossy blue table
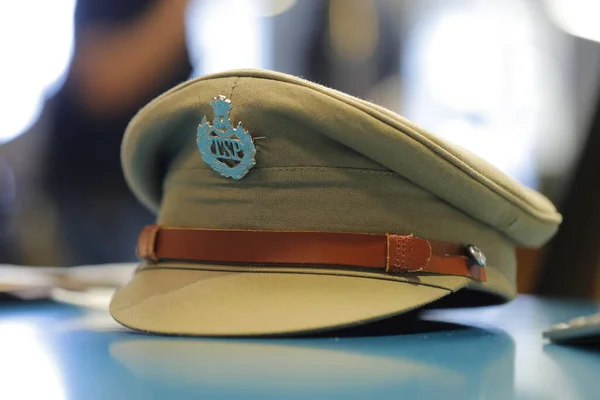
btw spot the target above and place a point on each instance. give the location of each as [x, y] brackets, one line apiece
[56, 351]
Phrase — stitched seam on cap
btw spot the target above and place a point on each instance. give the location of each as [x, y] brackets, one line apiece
[284, 169]
[233, 88]
[428, 257]
[398, 241]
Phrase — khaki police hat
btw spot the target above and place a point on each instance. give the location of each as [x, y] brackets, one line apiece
[285, 207]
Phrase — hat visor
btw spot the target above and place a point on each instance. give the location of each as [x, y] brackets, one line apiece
[232, 303]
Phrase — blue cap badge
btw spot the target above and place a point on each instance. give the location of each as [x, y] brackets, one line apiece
[228, 151]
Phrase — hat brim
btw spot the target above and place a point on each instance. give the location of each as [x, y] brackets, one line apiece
[193, 302]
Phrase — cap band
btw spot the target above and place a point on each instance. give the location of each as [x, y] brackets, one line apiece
[391, 253]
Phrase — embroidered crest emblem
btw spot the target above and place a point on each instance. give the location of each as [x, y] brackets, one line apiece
[228, 151]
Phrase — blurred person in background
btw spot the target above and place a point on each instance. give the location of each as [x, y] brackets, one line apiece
[8, 252]
[126, 53]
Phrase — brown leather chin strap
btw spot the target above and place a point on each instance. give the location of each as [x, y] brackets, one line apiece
[390, 253]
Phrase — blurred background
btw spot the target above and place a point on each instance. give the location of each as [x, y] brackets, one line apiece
[515, 81]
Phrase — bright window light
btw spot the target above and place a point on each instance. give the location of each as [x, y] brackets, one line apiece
[227, 34]
[479, 85]
[576, 17]
[27, 369]
[36, 38]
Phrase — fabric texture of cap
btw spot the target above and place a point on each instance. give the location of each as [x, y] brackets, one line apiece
[325, 161]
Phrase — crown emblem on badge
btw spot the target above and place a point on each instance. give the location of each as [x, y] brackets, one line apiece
[227, 150]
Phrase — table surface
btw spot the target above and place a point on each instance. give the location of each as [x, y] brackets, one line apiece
[58, 351]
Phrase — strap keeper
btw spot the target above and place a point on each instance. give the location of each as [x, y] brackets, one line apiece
[406, 253]
[147, 243]
[387, 252]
